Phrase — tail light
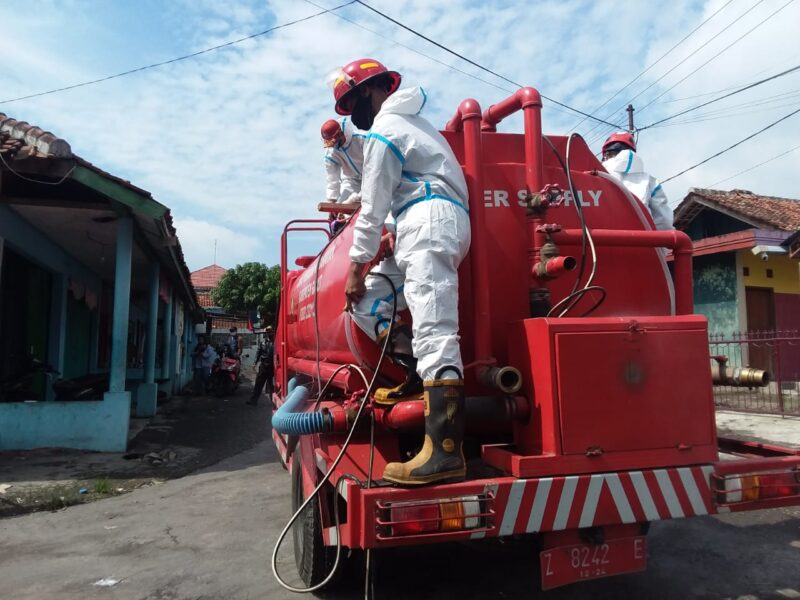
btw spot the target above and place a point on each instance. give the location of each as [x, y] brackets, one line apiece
[440, 515]
[749, 488]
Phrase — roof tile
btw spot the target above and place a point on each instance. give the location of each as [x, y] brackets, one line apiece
[207, 277]
[767, 211]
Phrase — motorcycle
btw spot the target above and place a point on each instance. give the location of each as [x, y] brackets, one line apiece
[225, 372]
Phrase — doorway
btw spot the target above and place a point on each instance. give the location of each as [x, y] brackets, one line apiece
[760, 306]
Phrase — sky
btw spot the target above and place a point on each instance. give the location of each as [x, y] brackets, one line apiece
[229, 140]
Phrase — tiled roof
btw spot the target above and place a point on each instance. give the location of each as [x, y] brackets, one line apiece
[228, 322]
[19, 137]
[207, 277]
[762, 211]
[204, 300]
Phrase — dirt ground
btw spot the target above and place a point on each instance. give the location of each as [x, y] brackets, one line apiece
[186, 435]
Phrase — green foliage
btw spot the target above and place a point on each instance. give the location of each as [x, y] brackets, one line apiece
[251, 286]
[102, 486]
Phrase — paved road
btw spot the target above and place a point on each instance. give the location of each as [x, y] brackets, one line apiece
[209, 536]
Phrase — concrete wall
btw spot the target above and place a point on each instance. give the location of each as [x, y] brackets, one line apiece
[100, 425]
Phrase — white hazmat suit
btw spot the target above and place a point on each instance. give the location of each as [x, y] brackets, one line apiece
[411, 172]
[628, 168]
[343, 165]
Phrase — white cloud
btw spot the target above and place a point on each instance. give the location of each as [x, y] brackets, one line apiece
[229, 140]
[199, 238]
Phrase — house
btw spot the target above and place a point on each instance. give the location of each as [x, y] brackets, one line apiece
[218, 321]
[93, 283]
[746, 278]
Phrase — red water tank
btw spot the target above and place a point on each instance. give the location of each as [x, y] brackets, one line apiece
[636, 280]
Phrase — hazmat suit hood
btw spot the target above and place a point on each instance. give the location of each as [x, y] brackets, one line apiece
[628, 169]
[624, 163]
[408, 101]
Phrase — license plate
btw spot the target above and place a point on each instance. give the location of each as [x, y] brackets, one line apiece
[568, 564]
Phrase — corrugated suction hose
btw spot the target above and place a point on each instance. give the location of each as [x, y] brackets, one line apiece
[288, 421]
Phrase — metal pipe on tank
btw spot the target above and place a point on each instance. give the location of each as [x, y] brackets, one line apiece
[678, 241]
[345, 379]
[468, 120]
[483, 413]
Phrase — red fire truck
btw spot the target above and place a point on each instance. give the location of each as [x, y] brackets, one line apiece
[590, 410]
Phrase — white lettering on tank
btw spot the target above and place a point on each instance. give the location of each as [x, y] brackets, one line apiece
[501, 198]
[568, 198]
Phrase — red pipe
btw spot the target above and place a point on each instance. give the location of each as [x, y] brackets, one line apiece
[555, 267]
[345, 379]
[678, 241]
[468, 119]
[529, 101]
[484, 413]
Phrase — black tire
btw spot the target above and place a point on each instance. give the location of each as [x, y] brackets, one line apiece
[313, 559]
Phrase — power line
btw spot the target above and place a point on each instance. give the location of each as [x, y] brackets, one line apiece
[475, 64]
[414, 50]
[662, 57]
[777, 156]
[731, 147]
[734, 42]
[727, 114]
[739, 91]
[720, 91]
[179, 58]
[695, 51]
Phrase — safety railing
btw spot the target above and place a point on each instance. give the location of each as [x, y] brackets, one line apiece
[778, 353]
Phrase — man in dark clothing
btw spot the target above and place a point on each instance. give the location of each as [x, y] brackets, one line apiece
[266, 370]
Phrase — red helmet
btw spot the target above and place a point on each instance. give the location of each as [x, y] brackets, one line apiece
[622, 137]
[330, 131]
[354, 74]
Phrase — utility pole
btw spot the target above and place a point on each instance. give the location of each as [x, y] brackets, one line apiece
[630, 117]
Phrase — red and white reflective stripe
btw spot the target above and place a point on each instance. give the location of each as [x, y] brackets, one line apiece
[578, 501]
[330, 536]
[489, 490]
[322, 465]
[280, 444]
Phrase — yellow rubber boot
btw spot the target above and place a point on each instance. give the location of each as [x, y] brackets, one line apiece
[441, 459]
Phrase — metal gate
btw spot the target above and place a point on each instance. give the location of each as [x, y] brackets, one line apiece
[777, 352]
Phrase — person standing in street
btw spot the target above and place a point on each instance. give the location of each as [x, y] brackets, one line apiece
[235, 343]
[266, 368]
[202, 359]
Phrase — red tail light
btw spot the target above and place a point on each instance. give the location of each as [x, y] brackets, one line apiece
[432, 516]
[410, 520]
[750, 488]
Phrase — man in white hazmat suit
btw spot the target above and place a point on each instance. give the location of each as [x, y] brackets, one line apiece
[411, 171]
[622, 162]
[344, 161]
[344, 155]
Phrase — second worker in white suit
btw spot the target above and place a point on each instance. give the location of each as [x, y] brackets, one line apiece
[411, 171]
[623, 163]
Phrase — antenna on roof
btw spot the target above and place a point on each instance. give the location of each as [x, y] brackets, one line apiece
[215, 252]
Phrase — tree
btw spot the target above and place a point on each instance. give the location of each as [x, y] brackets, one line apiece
[248, 287]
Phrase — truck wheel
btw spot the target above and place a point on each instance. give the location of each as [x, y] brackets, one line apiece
[313, 559]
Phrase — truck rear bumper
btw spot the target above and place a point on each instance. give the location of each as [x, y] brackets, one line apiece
[503, 506]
